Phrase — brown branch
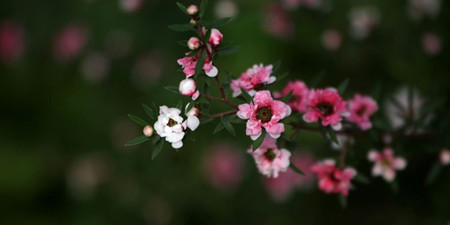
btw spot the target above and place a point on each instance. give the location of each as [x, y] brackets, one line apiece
[220, 100]
[223, 114]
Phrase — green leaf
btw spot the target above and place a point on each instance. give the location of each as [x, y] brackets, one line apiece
[181, 27]
[342, 86]
[258, 142]
[433, 174]
[295, 169]
[192, 53]
[156, 139]
[200, 62]
[226, 83]
[138, 120]
[172, 89]
[203, 6]
[317, 79]
[229, 50]
[157, 149]
[182, 7]
[149, 111]
[190, 105]
[218, 128]
[246, 96]
[227, 125]
[207, 120]
[362, 179]
[343, 201]
[282, 76]
[215, 23]
[183, 43]
[287, 97]
[276, 66]
[136, 141]
[180, 105]
[206, 88]
[329, 134]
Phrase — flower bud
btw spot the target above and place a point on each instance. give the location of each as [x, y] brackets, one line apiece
[148, 131]
[193, 43]
[192, 10]
[193, 21]
[445, 157]
[216, 37]
[193, 111]
[187, 87]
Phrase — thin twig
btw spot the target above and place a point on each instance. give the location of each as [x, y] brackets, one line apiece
[223, 114]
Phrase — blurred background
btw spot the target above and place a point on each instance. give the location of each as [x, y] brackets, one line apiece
[71, 71]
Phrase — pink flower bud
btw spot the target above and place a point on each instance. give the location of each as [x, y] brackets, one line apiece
[193, 43]
[216, 37]
[148, 131]
[445, 157]
[192, 10]
[187, 87]
[194, 111]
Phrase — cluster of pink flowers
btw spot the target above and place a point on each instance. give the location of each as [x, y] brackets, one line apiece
[264, 112]
[269, 159]
[386, 163]
[333, 180]
[253, 80]
[299, 94]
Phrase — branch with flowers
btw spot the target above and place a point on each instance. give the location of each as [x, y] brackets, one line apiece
[274, 119]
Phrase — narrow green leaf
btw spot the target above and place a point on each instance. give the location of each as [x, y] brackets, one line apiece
[332, 135]
[317, 79]
[246, 96]
[156, 139]
[182, 7]
[218, 128]
[282, 76]
[203, 6]
[200, 62]
[258, 142]
[157, 149]
[287, 97]
[343, 201]
[136, 141]
[215, 23]
[138, 120]
[180, 105]
[182, 43]
[229, 50]
[276, 66]
[227, 125]
[172, 89]
[433, 174]
[190, 105]
[207, 120]
[226, 83]
[342, 86]
[149, 111]
[362, 179]
[206, 88]
[295, 169]
[181, 27]
[192, 53]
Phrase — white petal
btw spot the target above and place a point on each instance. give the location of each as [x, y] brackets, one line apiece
[337, 127]
[192, 122]
[177, 144]
[254, 137]
[213, 72]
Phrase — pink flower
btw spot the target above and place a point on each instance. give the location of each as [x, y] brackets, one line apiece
[333, 180]
[216, 37]
[331, 39]
[223, 166]
[188, 87]
[189, 63]
[299, 94]
[386, 163]
[292, 4]
[445, 157]
[431, 43]
[11, 42]
[326, 105]
[253, 79]
[277, 21]
[264, 112]
[193, 43]
[130, 6]
[269, 159]
[69, 42]
[281, 188]
[361, 108]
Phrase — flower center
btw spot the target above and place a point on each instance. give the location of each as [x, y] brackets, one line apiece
[361, 111]
[172, 123]
[325, 108]
[270, 154]
[264, 114]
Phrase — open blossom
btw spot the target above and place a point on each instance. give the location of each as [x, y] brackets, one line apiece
[188, 87]
[363, 20]
[386, 163]
[252, 80]
[445, 157]
[11, 41]
[269, 159]
[326, 105]
[361, 108]
[264, 112]
[189, 63]
[170, 125]
[333, 180]
[299, 94]
[216, 37]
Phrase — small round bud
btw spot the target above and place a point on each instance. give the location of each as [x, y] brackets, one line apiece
[445, 157]
[192, 10]
[216, 37]
[187, 87]
[193, 43]
[148, 131]
[193, 21]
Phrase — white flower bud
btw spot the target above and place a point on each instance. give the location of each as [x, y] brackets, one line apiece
[148, 131]
[193, 43]
[192, 10]
[187, 87]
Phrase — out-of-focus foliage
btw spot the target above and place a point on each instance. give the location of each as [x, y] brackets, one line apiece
[76, 68]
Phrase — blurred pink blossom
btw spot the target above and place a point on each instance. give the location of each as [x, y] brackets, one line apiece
[148, 68]
[95, 67]
[226, 8]
[420, 8]
[69, 42]
[130, 6]
[277, 21]
[431, 43]
[331, 39]
[292, 4]
[11, 41]
[223, 166]
[285, 184]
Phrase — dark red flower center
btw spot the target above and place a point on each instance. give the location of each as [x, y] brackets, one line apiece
[361, 110]
[264, 114]
[172, 123]
[325, 108]
[270, 155]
